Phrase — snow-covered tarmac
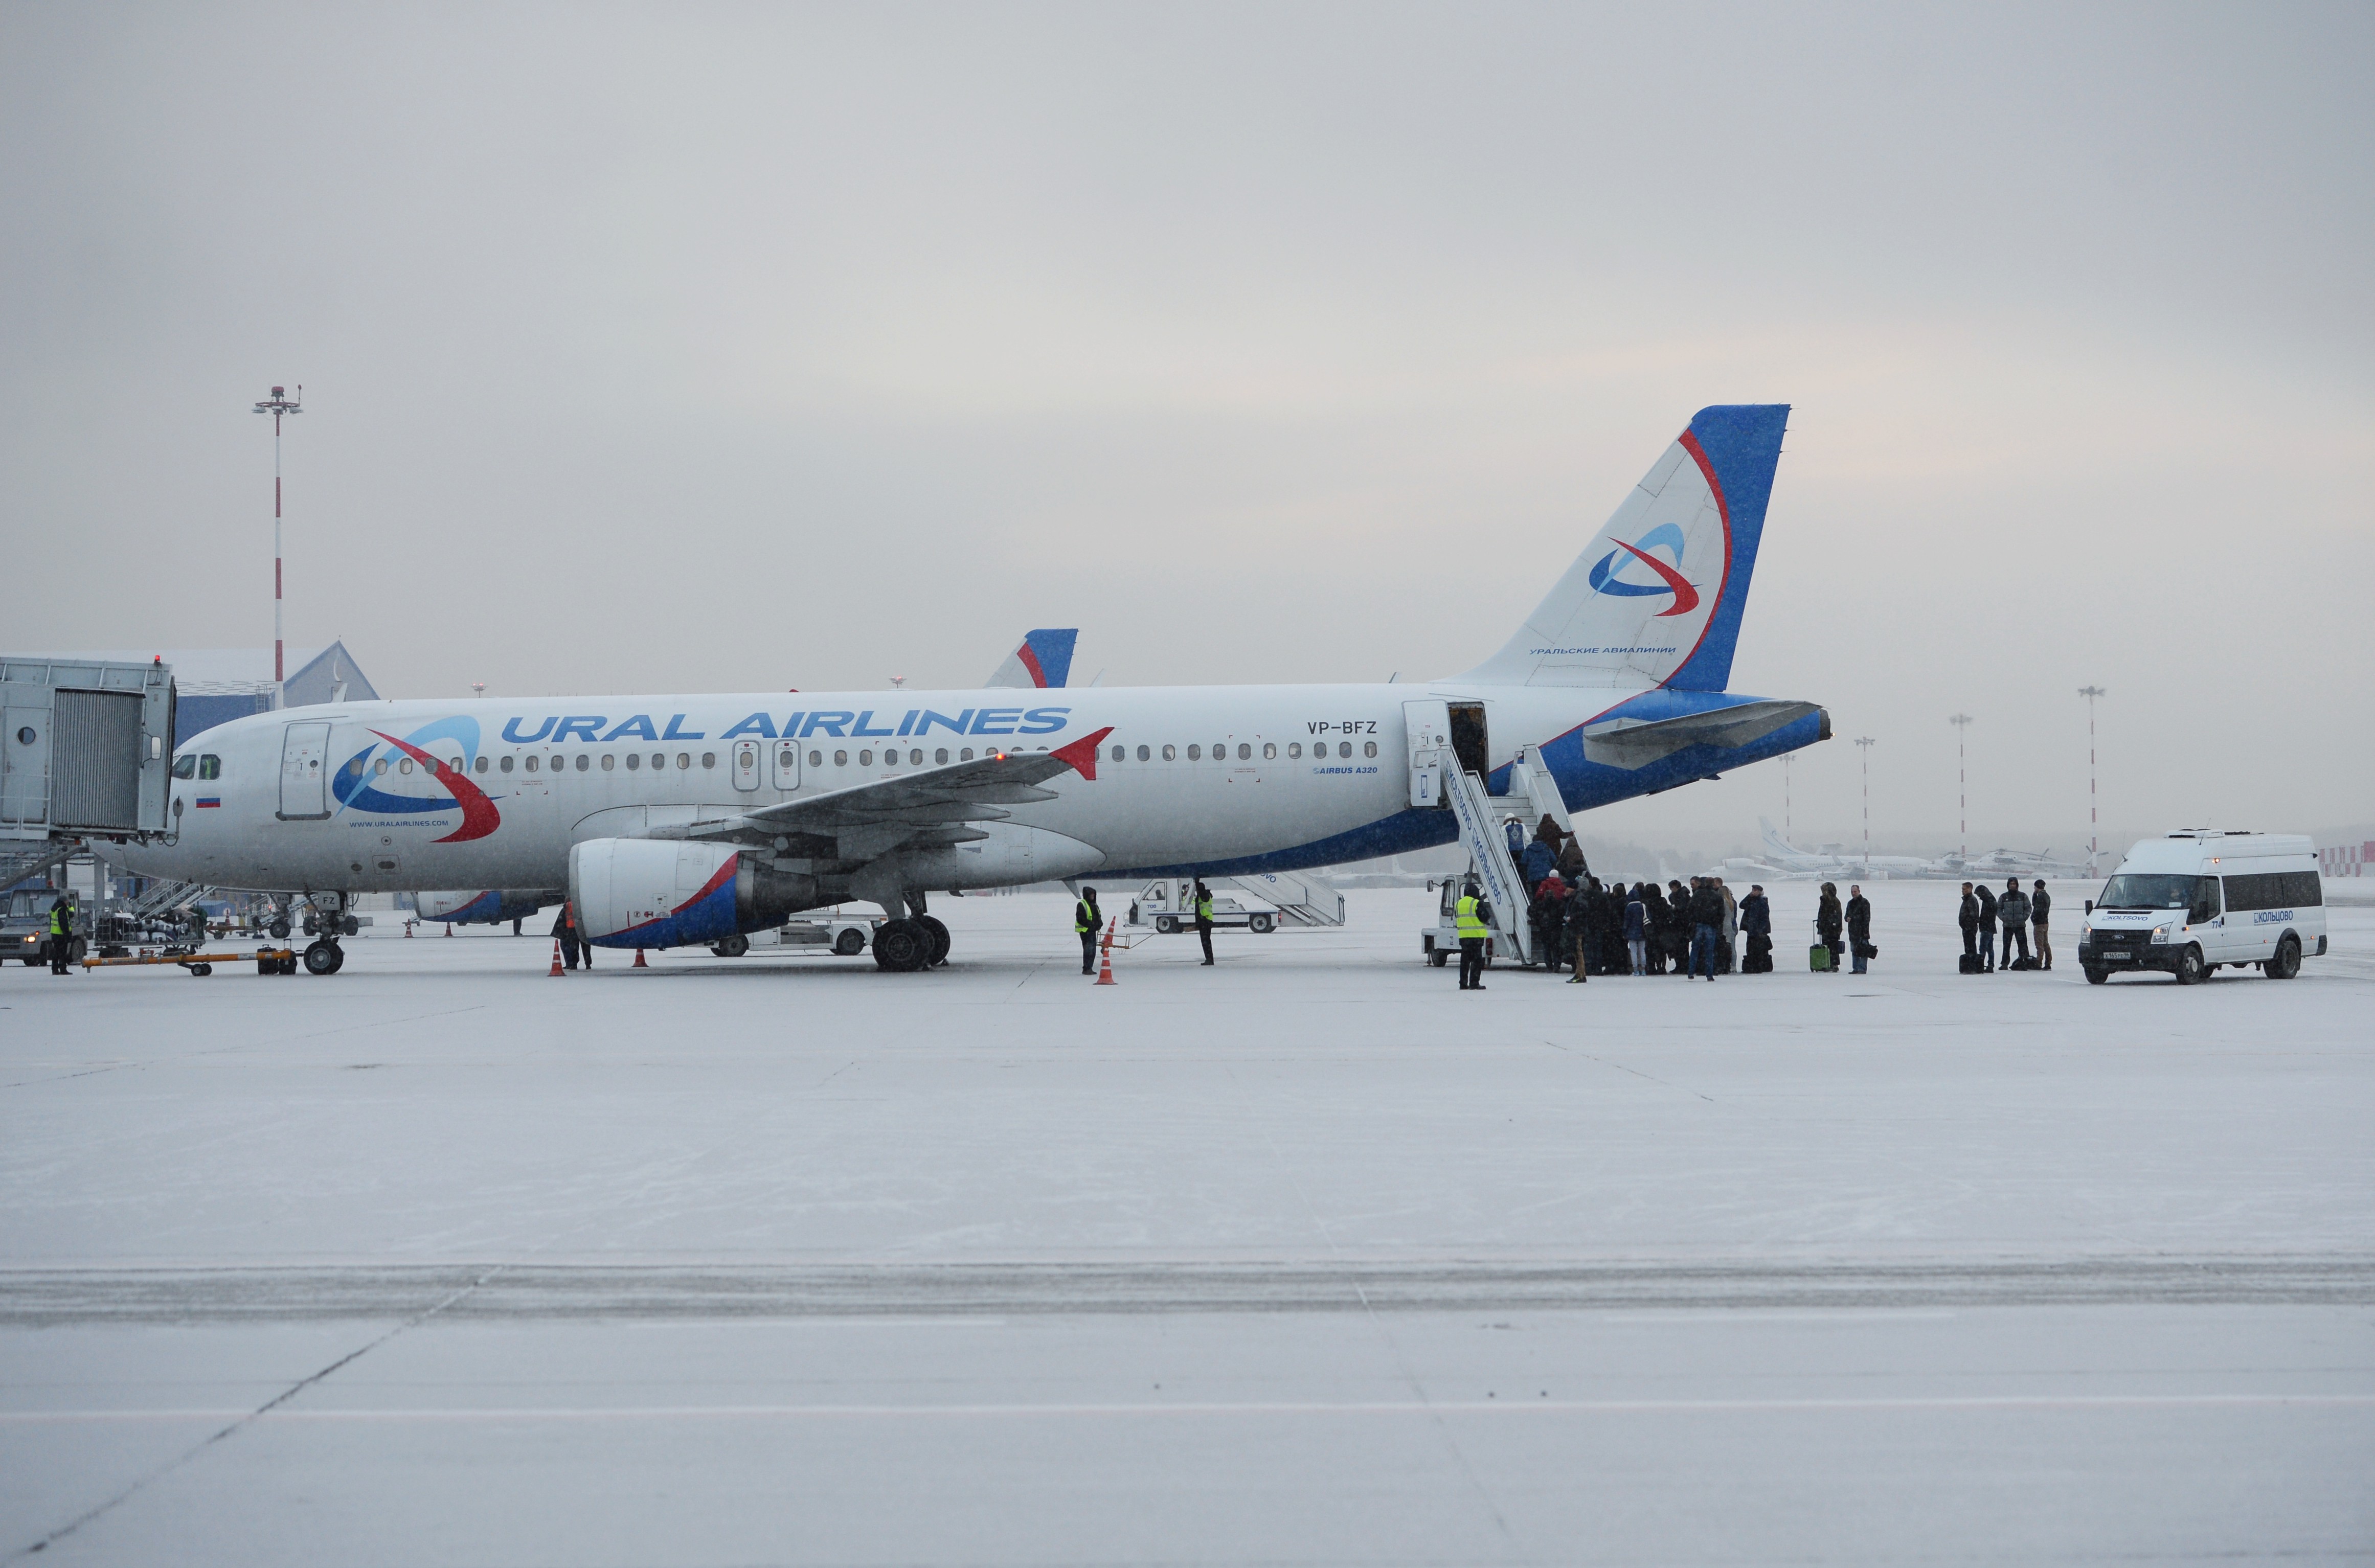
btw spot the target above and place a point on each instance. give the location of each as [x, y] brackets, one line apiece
[1305, 1258]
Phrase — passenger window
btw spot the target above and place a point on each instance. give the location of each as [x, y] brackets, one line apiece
[379, 767]
[609, 763]
[709, 759]
[684, 761]
[1245, 751]
[1171, 754]
[635, 761]
[1294, 748]
[584, 762]
[659, 760]
[1121, 753]
[1269, 750]
[917, 756]
[890, 756]
[965, 755]
[532, 763]
[942, 756]
[866, 759]
[1220, 751]
[1343, 749]
[1141, 754]
[841, 759]
[186, 767]
[816, 758]
[1195, 754]
[507, 762]
[1370, 750]
[481, 765]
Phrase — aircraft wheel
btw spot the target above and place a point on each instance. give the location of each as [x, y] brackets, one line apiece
[2190, 970]
[850, 943]
[734, 945]
[904, 945]
[2286, 963]
[939, 935]
[279, 928]
[323, 957]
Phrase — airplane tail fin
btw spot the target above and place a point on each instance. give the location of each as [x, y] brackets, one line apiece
[1655, 597]
[1774, 842]
[1044, 659]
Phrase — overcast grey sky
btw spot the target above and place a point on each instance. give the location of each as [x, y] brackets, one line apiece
[698, 348]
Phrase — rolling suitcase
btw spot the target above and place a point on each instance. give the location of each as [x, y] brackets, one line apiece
[1818, 957]
[1971, 963]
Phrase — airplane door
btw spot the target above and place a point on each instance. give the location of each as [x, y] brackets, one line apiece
[1427, 726]
[306, 771]
[746, 764]
[786, 764]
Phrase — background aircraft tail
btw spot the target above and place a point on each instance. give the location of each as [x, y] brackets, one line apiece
[1773, 842]
[1657, 596]
[1044, 659]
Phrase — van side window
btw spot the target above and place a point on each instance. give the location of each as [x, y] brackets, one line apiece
[209, 766]
[2205, 901]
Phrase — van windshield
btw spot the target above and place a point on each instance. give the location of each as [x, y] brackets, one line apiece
[2137, 891]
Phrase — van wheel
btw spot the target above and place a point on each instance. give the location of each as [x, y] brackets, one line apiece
[2190, 970]
[850, 943]
[1262, 923]
[2286, 963]
[1165, 924]
[2097, 975]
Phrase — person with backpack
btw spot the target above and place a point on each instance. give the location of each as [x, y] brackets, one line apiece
[1987, 896]
[2013, 908]
[1860, 946]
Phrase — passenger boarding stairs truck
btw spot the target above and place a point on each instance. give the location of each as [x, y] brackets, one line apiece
[1300, 899]
[1448, 765]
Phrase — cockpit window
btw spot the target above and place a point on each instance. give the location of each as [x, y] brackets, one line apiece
[210, 767]
[186, 765]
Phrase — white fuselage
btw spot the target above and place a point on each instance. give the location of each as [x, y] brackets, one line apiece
[1206, 776]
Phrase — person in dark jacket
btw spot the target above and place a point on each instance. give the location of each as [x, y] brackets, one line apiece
[566, 929]
[1829, 920]
[1987, 897]
[1706, 920]
[1654, 918]
[1756, 927]
[1859, 948]
[1204, 920]
[1582, 929]
[61, 934]
[2040, 904]
[1679, 926]
[1636, 942]
[1086, 918]
[2013, 910]
[1970, 919]
[1547, 915]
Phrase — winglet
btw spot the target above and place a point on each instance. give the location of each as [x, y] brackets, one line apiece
[1082, 753]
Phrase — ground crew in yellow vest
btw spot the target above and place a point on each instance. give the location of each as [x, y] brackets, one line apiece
[1475, 915]
[1085, 920]
[60, 936]
[1204, 918]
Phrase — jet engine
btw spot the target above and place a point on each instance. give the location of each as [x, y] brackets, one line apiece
[484, 906]
[671, 893]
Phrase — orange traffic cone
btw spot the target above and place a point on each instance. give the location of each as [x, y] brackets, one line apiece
[1105, 967]
[449, 928]
[556, 958]
[639, 962]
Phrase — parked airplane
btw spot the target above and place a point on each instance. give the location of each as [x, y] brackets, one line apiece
[1786, 859]
[676, 820]
[1042, 660]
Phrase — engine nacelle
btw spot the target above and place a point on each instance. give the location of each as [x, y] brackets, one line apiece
[673, 894]
[486, 906]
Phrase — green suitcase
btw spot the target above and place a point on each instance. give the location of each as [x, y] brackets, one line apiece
[1818, 957]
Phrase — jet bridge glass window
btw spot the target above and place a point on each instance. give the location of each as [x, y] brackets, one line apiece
[186, 767]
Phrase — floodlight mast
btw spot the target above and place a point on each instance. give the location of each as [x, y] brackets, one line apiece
[1962, 723]
[1865, 744]
[2093, 826]
[278, 403]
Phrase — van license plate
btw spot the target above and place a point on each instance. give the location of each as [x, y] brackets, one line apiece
[2119, 958]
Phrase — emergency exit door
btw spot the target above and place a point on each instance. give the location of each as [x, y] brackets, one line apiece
[788, 763]
[306, 771]
[747, 764]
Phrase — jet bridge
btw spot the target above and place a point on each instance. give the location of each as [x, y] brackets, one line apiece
[84, 755]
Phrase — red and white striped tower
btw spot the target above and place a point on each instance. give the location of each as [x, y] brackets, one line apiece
[2090, 694]
[1865, 744]
[278, 403]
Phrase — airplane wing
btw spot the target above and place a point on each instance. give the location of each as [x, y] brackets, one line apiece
[1044, 659]
[1637, 743]
[933, 806]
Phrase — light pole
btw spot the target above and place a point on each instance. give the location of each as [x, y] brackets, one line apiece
[2093, 821]
[278, 403]
[1864, 744]
[1962, 788]
[1787, 758]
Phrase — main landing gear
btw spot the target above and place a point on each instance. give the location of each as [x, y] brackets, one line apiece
[911, 942]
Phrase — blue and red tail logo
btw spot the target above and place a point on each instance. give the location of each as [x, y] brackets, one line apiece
[357, 788]
[1604, 579]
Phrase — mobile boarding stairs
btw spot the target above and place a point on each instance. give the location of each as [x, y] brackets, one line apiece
[1440, 778]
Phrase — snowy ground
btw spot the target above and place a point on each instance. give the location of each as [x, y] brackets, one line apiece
[1305, 1258]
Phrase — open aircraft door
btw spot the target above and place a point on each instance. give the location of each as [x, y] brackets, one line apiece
[1427, 726]
[306, 771]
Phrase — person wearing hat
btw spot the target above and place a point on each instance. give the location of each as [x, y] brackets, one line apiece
[1085, 921]
[1473, 915]
[2040, 904]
